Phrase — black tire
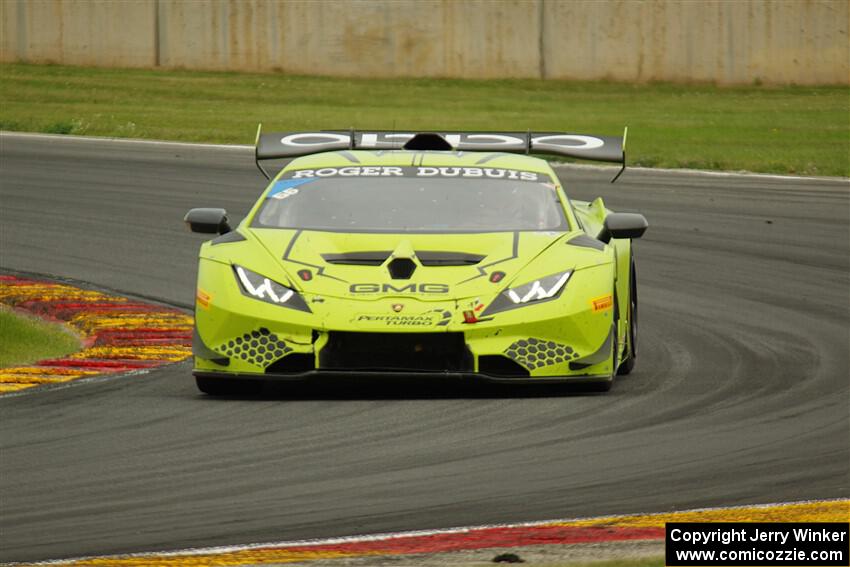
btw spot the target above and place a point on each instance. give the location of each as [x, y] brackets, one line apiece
[220, 387]
[629, 363]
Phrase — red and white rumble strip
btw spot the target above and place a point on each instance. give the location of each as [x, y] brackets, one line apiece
[550, 532]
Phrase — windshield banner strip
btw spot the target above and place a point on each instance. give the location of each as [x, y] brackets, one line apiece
[418, 172]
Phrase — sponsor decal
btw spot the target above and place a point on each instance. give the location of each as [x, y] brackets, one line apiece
[432, 318]
[284, 194]
[363, 288]
[203, 298]
[350, 171]
[602, 303]
[303, 175]
[483, 141]
[285, 188]
[488, 172]
[318, 138]
[472, 315]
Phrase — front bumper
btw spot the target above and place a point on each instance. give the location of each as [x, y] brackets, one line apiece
[560, 340]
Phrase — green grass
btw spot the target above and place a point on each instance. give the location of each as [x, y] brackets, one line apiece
[26, 339]
[797, 130]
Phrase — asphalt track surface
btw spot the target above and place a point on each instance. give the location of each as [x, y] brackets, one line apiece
[740, 394]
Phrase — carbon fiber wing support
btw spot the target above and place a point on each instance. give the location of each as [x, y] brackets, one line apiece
[283, 145]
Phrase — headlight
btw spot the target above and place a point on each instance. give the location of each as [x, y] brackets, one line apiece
[543, 289]
[260, 287]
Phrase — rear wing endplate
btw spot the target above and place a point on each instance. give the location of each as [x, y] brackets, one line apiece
[281, 145]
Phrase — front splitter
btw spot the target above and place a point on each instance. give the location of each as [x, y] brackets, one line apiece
[319, 375]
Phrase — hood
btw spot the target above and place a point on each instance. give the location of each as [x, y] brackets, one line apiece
[426, 266]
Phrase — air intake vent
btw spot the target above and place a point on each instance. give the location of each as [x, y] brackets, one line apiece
[401, 268]
[427, 258]
[498, 365]
[295, 363]
[448, 258]
[412, 352]
[375, 258]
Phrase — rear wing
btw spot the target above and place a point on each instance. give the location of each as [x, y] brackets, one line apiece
[281, 145]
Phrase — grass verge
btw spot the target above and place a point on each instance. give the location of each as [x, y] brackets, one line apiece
[791, 130]
[26, 339]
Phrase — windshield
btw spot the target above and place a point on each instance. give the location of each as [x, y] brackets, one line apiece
[413, 199]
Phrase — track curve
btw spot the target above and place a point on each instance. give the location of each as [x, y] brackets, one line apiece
[740, 394]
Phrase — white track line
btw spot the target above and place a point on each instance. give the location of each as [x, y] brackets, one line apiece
[71, 138]
[243, 148]
[408, 534]
[702, 172]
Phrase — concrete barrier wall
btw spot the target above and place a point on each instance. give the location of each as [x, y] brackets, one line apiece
[725, 41]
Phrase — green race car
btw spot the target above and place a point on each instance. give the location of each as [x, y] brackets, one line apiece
[433, 254]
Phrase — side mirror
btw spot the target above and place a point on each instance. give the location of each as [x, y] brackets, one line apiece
[623, 225]
[207, 221]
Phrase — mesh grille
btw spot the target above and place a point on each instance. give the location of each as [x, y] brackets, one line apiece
[260, 347]
[535, 353]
